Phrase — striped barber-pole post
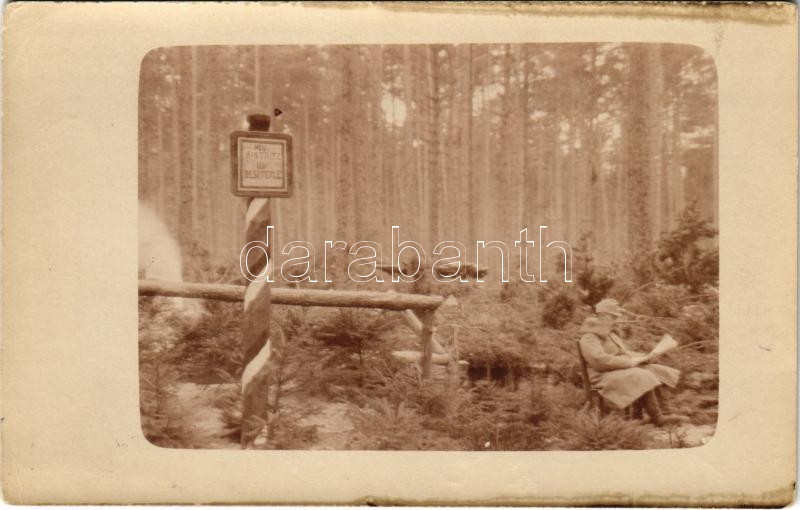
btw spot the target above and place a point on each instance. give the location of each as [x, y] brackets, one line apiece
[261, 168]
[259, 352]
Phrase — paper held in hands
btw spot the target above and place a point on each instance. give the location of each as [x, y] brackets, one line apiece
[666, 344]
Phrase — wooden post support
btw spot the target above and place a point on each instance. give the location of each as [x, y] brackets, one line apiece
[456, 359]
[413, 321]
[427, 342]
[416, 326]
[257, 349]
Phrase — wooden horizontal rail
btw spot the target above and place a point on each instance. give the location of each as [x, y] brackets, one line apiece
[300, 297]
[217, 291]
[416, 356]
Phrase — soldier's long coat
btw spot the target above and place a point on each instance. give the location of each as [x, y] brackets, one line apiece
[613, 371]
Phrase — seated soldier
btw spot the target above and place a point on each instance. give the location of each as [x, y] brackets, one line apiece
[620, 375]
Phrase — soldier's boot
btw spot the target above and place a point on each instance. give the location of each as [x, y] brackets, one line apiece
[662, 395]
[663, 401]
[653, 409]
[637, 410]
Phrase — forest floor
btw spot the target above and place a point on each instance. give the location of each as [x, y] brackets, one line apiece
[204, 422]
[202, 418]
[343, 390]
[334, 429]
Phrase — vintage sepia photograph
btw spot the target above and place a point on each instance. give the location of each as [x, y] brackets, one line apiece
[472, 247]
[399, 254]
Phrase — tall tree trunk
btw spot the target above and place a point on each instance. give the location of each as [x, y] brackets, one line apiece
[526, 198]
[421, 214]
[358, 167]
[447, 147]
[664, 186]
[593, 158]
[195, 202]
[408, 157]
[212, 181]
[180, 154]
[487, 151]
[309, 179]
[676, 162]
[346, 201]
[433, 141]
[339, 213]
[472, 200]
[638, 147]
[654, 99]
[558, 174]
[570, 171]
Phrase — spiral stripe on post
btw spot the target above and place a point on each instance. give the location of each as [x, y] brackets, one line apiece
[257, 350]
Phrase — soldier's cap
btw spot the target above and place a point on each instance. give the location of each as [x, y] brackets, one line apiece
[609, 306]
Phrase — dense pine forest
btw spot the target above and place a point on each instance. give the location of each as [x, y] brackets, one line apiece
[613, 147]
[451, 142]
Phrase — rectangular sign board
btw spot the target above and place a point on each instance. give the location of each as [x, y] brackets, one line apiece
[261, 164]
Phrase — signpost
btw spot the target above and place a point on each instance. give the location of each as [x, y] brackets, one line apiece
[261, 165]
[261, 162]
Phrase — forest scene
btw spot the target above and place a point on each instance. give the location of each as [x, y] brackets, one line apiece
[612, 147]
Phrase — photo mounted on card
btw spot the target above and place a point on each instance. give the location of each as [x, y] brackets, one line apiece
[497, 250]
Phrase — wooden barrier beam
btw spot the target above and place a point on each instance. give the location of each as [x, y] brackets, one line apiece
[299, 297]
[355, 299]
[216, 291]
